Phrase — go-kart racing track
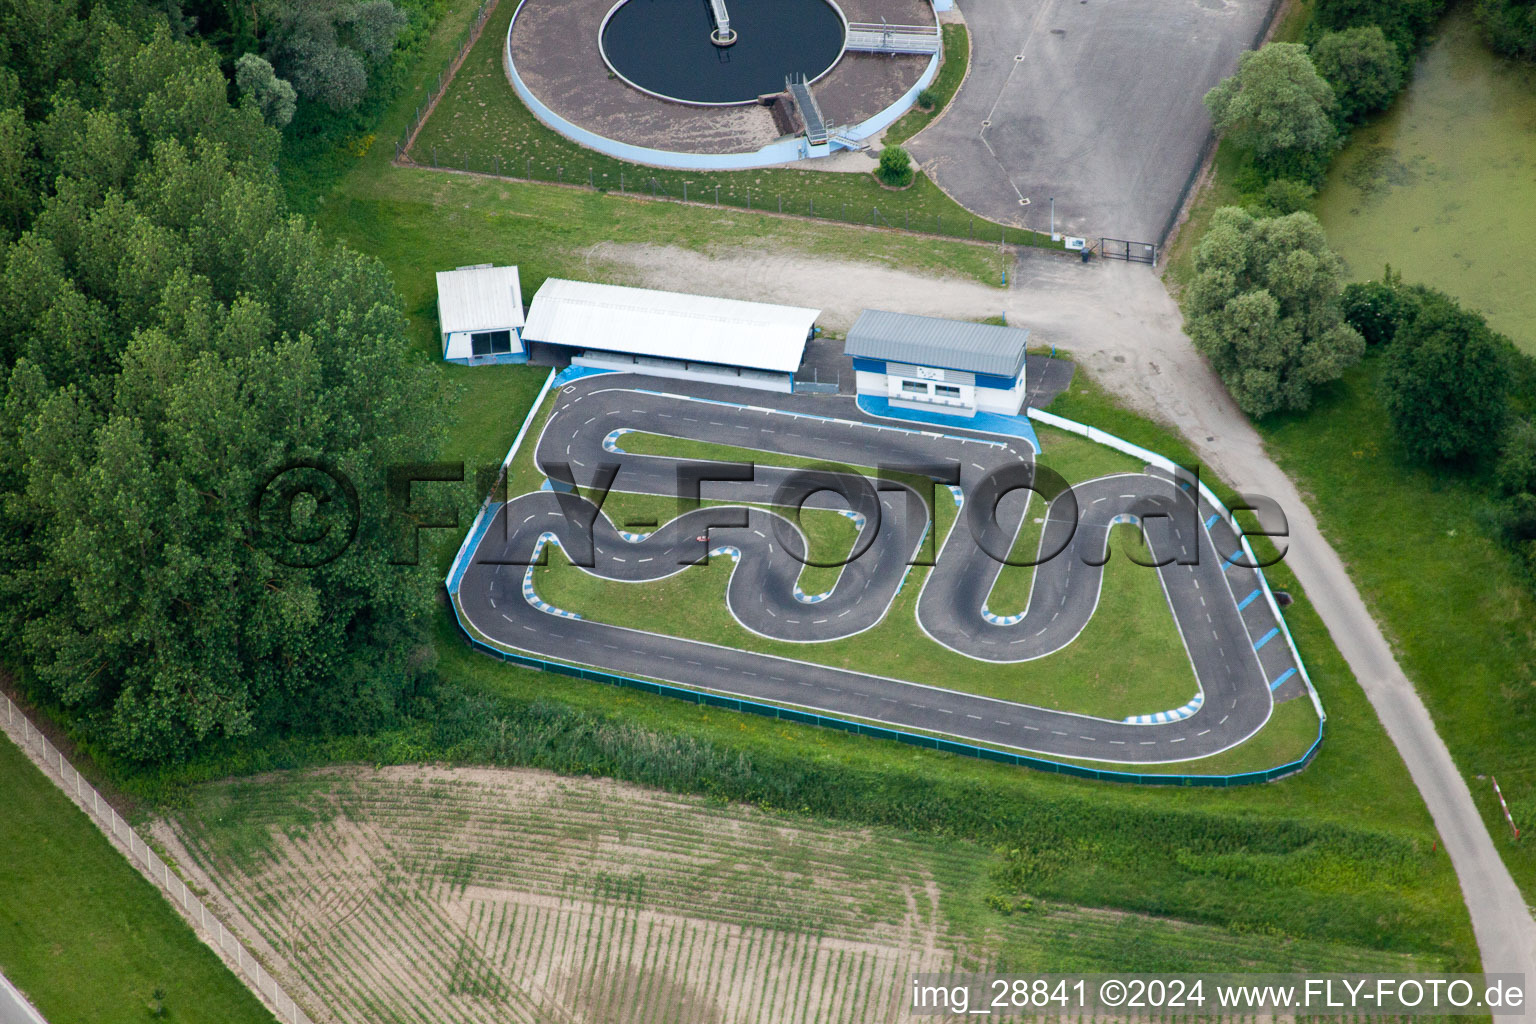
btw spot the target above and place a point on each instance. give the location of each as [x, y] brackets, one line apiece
[1242, 668]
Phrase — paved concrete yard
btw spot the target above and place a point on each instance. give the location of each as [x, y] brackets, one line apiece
[1103, 111]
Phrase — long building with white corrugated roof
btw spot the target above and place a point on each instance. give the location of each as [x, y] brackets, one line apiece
[671, 334]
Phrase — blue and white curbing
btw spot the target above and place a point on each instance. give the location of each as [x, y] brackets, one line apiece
[958, 494]
[1162, 717]
[633, 538]
[1178, 473]
[528, 592]
[611, 442]
[1001, 620]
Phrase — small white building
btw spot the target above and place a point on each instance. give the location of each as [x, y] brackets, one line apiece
[480, 314]
[671, 334]
[927, 364]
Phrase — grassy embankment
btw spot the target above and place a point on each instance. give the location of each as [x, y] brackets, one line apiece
[480, 125]
[82, 934]
[1446, 595]
[957, 56]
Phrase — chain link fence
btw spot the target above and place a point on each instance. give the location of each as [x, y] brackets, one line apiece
[667, 185]
[444, 77]
[63, 774]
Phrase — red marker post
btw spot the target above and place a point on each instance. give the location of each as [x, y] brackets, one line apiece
[1499, 793]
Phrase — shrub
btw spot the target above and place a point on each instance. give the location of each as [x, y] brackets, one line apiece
[1284, 196]
[1278, 106]
[895, 167]
[1264, 308]
[1445, 383]
[928, 99]
[1376, 308]
[1365, 70]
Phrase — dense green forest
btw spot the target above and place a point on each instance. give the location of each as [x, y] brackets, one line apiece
[172, 340]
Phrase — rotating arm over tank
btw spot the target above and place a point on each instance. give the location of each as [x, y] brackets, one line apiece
[723, 34]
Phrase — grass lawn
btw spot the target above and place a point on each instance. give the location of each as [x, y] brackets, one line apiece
[1125, 662]
[829, 535]
[1343, 852]
[83, 934]
[957, 56]
[1462, 625]
[480, 125]
[1445, 595]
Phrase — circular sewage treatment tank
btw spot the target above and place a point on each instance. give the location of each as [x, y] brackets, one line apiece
[664, 47]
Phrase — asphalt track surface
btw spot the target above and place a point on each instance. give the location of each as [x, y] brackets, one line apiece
[582, 443]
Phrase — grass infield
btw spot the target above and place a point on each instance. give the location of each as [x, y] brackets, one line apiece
[1128, 660]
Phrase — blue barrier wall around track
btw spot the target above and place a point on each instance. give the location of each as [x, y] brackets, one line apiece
[751, 707]
[774, 711]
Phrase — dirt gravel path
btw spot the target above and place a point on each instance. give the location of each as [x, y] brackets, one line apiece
[1121, 324]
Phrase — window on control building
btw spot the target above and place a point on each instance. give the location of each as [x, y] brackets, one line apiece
[486, 343]
[914, 387]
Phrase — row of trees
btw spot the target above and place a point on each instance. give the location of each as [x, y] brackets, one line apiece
[1290, 105]
[1509, 26]
[1264, 304]
[170, 338]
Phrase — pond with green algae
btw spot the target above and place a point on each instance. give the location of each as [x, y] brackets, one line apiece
[1443, 186]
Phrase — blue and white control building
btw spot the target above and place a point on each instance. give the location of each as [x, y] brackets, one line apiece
[928, 364]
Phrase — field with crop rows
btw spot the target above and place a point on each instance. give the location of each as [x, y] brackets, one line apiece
[442, 895]
[449, 896]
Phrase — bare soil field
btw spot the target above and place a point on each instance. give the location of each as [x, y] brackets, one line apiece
[449, 895]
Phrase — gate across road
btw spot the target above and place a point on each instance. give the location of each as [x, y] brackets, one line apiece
[1131, 252]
